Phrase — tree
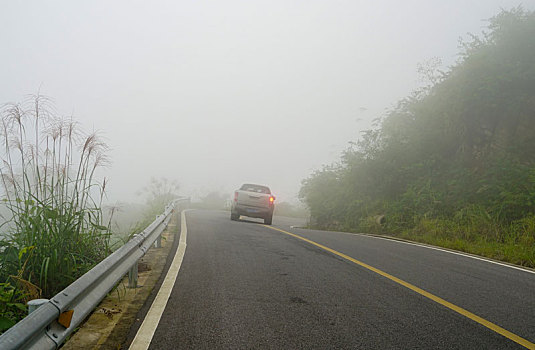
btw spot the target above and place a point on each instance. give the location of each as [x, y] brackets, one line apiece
[464, 140]
[159, 192]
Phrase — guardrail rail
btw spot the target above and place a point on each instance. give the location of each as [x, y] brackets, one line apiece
[49, 325]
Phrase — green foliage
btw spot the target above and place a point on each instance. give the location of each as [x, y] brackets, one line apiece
[455, 159]
[158, 193]
[54, 232]
[12, 307]
[126, 219]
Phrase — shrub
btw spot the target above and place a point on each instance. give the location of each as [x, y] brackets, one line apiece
[54, 229]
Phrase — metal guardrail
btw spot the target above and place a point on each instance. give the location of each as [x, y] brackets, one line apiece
[41, 329]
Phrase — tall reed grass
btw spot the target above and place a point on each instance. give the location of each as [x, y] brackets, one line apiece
[49, 182]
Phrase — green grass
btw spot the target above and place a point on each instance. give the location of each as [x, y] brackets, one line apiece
[53, 229]
[477, 234]
[514, 253]
[513, 243]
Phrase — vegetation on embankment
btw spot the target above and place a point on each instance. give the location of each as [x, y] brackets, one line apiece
[53, 229]
[158, 193]
[454, 163]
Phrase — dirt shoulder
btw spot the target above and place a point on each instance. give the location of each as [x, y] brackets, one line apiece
[111, 322]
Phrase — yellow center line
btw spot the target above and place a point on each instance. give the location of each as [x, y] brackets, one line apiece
[420, 291]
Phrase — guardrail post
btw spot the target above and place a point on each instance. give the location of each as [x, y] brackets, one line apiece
[132, 276]
[158, 242]
[35, 303]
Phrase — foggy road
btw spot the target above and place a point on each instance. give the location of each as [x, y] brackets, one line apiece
[243, 285]
[413, 117]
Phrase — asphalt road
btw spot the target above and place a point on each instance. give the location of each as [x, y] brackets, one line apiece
[243, 285]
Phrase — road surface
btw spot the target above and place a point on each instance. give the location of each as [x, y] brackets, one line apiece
[243, 285]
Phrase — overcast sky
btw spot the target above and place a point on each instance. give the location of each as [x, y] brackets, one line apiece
[217, 93]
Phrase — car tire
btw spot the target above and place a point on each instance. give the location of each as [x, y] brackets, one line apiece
[234, 217]
[268, 220]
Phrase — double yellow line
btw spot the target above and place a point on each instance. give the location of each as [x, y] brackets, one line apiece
[422, 292]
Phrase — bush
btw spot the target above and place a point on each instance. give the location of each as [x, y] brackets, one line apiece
[54, 229]
[453, 162]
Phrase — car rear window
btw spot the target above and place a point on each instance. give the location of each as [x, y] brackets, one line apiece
[255, 188]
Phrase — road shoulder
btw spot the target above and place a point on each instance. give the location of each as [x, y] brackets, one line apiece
[109, 326]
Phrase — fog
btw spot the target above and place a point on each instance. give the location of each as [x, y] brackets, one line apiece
[218, 93]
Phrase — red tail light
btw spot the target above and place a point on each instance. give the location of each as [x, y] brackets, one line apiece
[271, 199]
[235, 196]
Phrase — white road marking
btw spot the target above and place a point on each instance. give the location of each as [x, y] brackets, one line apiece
[152, 319]
[437, 248]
